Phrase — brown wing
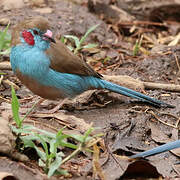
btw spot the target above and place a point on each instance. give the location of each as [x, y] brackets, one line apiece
[64, 61]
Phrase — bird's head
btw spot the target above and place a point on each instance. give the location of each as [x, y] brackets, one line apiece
[33, 31]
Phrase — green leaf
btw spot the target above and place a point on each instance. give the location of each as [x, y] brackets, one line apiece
[77, 137]
[59, 133]
[62, 39]
[15, 108]
[76, 39]
[54, 143]
[89, 46]
[136, 48]
[41, 154]
[66, 144]
[44, 144]
[61, 172]
[48, 134]
[52, 156]
[28, 127]
[53, 146]
[87, 133]
[54, 166]
[28, 143]
[70, 48]
[7, 51]
[30, 138]
[41, 163]
[60, 154]
[3, 36]
[82, 138]
[87, 33]
[2, 73]
[60, 140]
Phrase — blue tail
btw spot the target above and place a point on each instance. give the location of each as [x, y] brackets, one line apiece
[160, 149]
[131, 93]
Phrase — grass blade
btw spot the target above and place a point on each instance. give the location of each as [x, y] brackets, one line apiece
[15, 108]
[76, 40]
[54, 166]
[87, 33]
[3, 36]
[90, 46]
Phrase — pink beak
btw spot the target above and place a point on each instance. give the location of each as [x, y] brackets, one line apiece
[48, 36]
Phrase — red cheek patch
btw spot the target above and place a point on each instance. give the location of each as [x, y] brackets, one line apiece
[28, 37]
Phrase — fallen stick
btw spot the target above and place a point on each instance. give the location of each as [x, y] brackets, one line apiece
[167, 87]
[136, 84]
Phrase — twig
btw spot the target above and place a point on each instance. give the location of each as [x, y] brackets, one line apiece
[176, 169]
[7, 81]
[157, 118]
[168, 114]
[167, 87]
[79, 149]
[26, 99]
[7, 100]
[177, 122]
[131, 82]
[58, 120]
[97, 167]
[32, 108]
[141, 23]
[37, 122]
[110, 152]
[1, 78]
[177, 62]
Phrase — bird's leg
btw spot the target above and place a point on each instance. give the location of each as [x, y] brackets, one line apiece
[51, 111]
[39, 102]
[25, 100]
[55, 109]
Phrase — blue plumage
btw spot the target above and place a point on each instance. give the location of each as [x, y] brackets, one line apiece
[48, 66]
[160, 149]
[35, 63]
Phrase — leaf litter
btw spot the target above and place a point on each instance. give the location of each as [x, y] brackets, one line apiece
[134, 126]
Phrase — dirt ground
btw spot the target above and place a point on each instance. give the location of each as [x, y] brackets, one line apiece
[129, 126]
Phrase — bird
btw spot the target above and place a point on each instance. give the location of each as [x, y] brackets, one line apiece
[49, 69]
[157, 150]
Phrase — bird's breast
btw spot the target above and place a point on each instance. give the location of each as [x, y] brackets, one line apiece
[37, 88]
[29, 61]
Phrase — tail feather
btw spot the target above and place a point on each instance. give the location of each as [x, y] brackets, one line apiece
[131, 93]
[160, 149]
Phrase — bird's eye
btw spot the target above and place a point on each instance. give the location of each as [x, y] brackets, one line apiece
[35, 32]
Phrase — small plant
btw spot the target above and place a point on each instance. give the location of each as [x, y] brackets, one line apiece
[137, 46]
[79, 42]
[15, 109]
[5, 39]
[50, 156]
